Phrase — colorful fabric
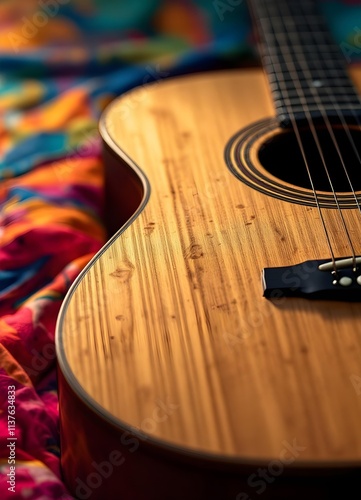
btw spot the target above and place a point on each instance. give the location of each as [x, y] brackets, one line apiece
[61, 62]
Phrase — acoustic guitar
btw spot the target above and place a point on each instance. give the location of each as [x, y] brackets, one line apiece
[212, 349]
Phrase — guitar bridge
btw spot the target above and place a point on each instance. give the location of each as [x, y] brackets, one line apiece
[315, 279]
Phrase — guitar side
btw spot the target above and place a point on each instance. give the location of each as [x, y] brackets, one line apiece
[167, 336]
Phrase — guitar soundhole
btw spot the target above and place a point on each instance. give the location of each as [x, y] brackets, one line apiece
[282, 157]
[269, 159]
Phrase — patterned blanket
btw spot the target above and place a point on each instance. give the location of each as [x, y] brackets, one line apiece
[61, 62]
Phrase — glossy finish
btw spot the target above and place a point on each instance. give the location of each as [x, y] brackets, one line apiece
[168, 331]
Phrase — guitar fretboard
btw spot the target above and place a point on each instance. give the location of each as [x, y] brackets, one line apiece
[306, 69]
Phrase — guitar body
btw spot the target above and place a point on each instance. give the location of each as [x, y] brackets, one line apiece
[178, 378]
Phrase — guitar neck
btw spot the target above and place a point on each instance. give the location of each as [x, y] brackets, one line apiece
[306, 69]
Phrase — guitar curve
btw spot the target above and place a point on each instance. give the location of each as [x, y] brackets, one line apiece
[166, 345]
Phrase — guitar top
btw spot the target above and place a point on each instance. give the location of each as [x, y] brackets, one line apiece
[176, 332]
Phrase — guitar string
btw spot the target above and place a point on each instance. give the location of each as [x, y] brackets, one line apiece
[304, 156]
[336, 107]
[306, 71]
[346, 130]
[302, 99]
[315, 35]
[301, 95]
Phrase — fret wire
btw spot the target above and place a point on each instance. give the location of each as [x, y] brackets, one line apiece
[280, 67]
[308, 37]
[317, 51]
[343, 84]
[340, 83]
[318, 65]
[298, 49]
[341, 97]
[306, 85]
[311, 21]
[335, 107]
[303, 58]
[306, 103]
[304, 28]
[346, 89]
[344, 100]
[328, 49]
[321, 35]
[333, 78]
[322, 93]
[307, 99]
[276, 10]
[314, 107]
[274, 48]
[289, 105]
[337, 91]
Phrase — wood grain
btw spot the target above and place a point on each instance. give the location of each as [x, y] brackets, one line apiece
[171, 314]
